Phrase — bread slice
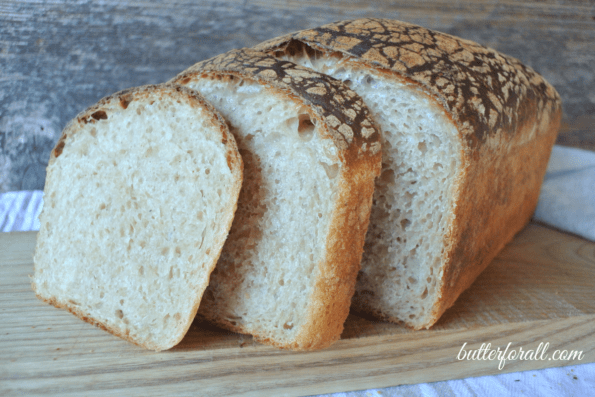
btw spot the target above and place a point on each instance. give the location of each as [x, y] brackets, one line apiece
[140, 194]
[467, 133]
[288, 269]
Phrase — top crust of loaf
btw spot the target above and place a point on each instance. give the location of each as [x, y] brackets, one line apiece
[101, 111]
[351, 125]
[485, 92]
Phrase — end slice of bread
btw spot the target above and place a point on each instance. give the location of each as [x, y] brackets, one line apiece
[466, 136]
[140, 194]
[288, 269]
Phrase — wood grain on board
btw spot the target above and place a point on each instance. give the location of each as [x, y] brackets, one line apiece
[59, 57]
[540, 289]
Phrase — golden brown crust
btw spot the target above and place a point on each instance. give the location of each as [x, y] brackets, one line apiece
[348, 121]
[102, 111]
[507, 116]
[497, 196]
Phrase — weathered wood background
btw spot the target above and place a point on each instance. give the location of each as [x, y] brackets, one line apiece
[58, 57]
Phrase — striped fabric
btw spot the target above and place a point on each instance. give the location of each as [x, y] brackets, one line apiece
[19, 211]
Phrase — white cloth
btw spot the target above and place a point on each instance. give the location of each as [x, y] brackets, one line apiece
[567, 202]
[567, 198]
[576, 380]
[19, 211]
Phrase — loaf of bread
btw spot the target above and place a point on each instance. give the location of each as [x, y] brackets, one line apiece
[140, 194]
[466, 137]
[288, 269]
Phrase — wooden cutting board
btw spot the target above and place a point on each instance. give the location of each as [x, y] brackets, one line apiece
[540, 289]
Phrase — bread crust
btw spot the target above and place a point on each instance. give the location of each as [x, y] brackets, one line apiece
[347, 121]
[506, 114]
[100, 111]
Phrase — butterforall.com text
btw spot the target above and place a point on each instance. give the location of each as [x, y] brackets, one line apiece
[485, 352]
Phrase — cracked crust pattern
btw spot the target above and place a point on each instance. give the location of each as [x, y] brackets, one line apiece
[350, 123]
[486, 93]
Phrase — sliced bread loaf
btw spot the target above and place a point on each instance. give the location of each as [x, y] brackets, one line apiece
[466, 136]
[288, 268]
[140, 194]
